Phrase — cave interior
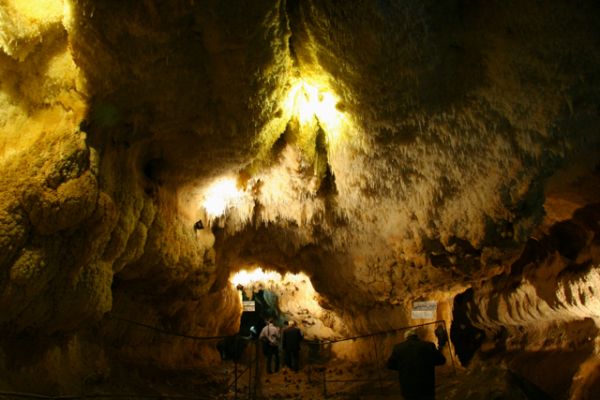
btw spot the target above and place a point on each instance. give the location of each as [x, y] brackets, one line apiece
[174, 173]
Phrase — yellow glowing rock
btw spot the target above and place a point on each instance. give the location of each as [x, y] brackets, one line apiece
[314, 104]
[54, 222]
[38, 11]
[22, 23]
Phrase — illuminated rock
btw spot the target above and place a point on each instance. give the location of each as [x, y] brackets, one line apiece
[389, 151]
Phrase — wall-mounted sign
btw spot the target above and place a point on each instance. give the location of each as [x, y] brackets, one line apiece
[248, 305]
[424, 310]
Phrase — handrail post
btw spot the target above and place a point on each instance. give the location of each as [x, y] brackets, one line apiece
[256, 368]
[235, 372]
[250, 378]
[377, 366]
[325, 382]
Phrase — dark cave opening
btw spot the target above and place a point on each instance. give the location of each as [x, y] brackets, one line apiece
[264, 307]
[466, 338]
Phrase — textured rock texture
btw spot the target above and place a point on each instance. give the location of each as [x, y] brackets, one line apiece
[453, 155]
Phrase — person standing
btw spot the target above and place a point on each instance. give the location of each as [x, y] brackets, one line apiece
[269, 336]
[292, 336]
[415, 360]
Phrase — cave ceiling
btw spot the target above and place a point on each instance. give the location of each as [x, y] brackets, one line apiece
[453, 137]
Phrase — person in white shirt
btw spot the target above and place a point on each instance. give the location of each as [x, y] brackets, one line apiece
[269, 336]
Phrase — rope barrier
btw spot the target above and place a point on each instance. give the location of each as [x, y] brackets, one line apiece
[379, 378]
[99, 396]
[374, 334]
[35, 396]
[237, 376]
[164, 331]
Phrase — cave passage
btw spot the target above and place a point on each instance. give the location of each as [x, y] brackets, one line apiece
[287, 297]
[466, 338]
[176, 172]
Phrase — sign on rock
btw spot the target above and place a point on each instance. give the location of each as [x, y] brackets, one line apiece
[424, 310]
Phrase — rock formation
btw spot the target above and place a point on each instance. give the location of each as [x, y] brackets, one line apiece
[391, 151]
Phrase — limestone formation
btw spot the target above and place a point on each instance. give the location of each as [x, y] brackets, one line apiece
[389, 151]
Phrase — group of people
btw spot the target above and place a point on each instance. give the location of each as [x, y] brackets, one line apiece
[290, 339]
[414, 359]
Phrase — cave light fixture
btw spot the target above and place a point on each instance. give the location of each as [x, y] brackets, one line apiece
[312, 102]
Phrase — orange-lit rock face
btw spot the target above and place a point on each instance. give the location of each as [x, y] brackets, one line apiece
[390, 151]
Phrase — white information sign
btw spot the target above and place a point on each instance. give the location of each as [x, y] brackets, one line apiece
[248, 305]
[424, 310]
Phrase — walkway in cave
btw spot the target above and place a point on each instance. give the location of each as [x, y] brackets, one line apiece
[343, 379]
[480, 383]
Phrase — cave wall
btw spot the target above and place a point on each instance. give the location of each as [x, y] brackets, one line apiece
[545, 310]
[467, 157]
[55, 218]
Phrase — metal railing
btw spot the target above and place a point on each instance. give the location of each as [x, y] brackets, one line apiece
[378, 362]
[251, 367]
[26, 395]
[318, 354]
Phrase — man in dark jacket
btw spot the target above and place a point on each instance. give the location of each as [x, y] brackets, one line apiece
[415, 361]
[292, 336]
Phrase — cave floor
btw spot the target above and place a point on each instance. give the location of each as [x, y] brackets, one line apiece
[344, 380]
[347, 380]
